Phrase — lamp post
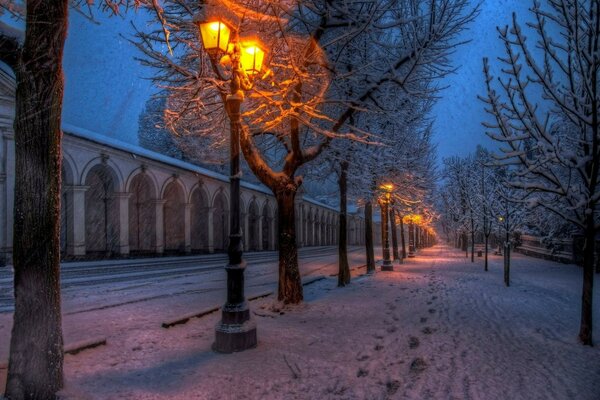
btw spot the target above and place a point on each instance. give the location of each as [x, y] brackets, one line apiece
[385, 202]
[236, 331]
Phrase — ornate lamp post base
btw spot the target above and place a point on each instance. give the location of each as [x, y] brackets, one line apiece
[232, 337]
[387, 266]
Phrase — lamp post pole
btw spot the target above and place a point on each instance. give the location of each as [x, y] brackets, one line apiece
[236, 331]
[387, 263]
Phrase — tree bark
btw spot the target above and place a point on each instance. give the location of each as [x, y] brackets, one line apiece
[290, 284]
[486, 252]
[369, 237]
[344, 268]
[585, 329]
[472, 238]
[394, 234]
[402, 238]
[35, 369]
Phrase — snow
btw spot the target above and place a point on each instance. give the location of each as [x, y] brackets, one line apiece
[438, 327]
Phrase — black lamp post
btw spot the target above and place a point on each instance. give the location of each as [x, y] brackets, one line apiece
[385, 203]
[236, 331]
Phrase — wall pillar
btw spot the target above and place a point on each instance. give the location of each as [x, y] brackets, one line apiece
[7, 190]
[75, 220]
[122, 204]
[187, 221]
[261, 221]
[159, 237]
[210, 236]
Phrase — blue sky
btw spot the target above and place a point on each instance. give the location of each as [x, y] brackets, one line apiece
[459, 113]
[106, 91]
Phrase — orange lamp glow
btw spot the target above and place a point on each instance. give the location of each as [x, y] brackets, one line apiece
[215, 35]
[388, 187]
[252, 57]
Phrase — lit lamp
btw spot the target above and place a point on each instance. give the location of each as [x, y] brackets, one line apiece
[387, 263]
[236, 331]
[251, 57]
[215, 35]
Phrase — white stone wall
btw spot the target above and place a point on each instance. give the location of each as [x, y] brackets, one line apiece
[122, 200]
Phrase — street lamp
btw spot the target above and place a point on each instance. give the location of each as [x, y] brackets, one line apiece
[236, 331]
[385, 202]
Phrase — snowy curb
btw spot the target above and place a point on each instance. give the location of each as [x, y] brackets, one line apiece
[72, 349]
[185, 318]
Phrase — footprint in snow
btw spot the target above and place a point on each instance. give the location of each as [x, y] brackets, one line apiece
[423, 320]
[392, 387]
[361, 373]
[431, 310]
[418, 365]
[427, 330]
[413, 342]
[378, 347]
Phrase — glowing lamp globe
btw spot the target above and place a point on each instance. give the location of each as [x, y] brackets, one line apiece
[252, 57]
[388, 187]
[215, 35]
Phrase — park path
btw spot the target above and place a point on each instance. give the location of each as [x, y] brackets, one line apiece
[438, 327]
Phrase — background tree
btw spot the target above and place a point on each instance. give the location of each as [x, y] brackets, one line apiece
[553, 139]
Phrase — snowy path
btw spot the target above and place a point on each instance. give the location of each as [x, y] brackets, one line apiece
[438, 328]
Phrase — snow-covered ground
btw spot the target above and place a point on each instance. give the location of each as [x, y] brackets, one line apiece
[437, 328]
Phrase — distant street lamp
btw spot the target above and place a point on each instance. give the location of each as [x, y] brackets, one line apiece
[236, 331]
[385, 202]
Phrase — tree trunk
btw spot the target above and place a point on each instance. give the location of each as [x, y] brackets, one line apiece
[344, 268]
[472, 246]
[290, 284]
[486, 252]
[585, 329]
[507, 264]
[402, 238]
[394, 235]
[369, 237]
[35, 369]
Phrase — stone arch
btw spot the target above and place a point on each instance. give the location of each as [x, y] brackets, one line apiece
[253, 226]
[149, 178]
[173, 195]
[142, 213]
[267, 227]
[101, 213]
[199, 219]
[220, 207]
[113, 168]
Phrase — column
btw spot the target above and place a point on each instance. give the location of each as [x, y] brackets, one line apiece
[210, 237]
[245, 235]
[75, 220]
[159, 238]
[7, 191]
[122, 205]
[301, 236]
[260, 232]
[187, 218]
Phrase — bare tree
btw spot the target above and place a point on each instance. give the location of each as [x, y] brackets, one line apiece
[292, 111]
[553, 140]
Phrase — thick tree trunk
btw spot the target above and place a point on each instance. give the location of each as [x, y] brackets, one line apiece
[35, 369]
[585, 329]
[344, 268]
[402, 238]
[290, 284]
[369, 237]
[394, 235]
